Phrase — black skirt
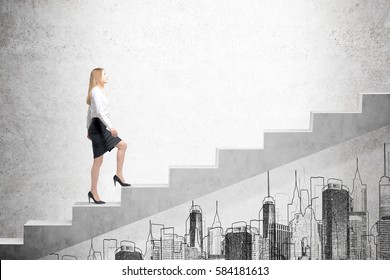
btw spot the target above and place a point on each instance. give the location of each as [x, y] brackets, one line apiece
[102, 140]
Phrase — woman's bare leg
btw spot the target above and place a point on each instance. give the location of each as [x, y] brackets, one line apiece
[120, 158]
[97, 163]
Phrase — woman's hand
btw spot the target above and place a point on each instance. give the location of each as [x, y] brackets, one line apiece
[114, 133]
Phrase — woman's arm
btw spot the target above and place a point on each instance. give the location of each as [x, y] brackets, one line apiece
[89, 119]
[97, 103]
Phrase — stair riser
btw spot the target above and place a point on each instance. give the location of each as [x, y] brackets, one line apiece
[47, 237]
[12, 252]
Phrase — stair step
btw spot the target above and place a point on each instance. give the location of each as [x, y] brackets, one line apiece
[11, 241]
[193, 167]
[49, 223]
[93, 205]
[142, 186]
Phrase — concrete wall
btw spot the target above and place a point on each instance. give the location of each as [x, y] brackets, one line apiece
[185, 77]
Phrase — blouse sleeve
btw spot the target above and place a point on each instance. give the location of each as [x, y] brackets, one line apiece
[97, 102]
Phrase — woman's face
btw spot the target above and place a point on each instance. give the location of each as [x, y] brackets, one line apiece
[104, 77]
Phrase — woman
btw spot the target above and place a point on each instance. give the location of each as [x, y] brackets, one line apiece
[101, 132]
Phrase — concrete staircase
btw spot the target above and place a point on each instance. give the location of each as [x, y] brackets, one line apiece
[186, 183]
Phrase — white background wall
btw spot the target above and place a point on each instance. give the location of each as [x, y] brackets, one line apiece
[185, 77]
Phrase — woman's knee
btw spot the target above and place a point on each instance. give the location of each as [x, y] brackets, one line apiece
[122, 145]
[98, 161]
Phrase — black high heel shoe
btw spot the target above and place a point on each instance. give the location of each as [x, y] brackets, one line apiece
[117, 179]
[90, 195]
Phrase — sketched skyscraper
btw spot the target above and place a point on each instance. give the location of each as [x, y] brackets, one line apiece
[109, 247]
[153, 243]
[128, 251]
[276, 236]
[215, 236]
[359, 192]
[179, 248]
[238, 243]
[280, 242]
[357, 235]
[268, 211]
[256, 243]
[358, 219]
[383, 246]
[304, 226]
[194, 228]
[383, 225]
[172, 245]
[335, 217]
[167, 243]
[384, 193]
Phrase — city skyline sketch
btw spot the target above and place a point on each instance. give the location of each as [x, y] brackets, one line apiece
[326, 220]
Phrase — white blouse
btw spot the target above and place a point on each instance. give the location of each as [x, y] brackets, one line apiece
[99, 108]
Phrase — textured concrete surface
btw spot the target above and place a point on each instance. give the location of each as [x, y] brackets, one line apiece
[186, 77]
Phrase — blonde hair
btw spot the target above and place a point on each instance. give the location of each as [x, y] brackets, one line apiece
[94, 80]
